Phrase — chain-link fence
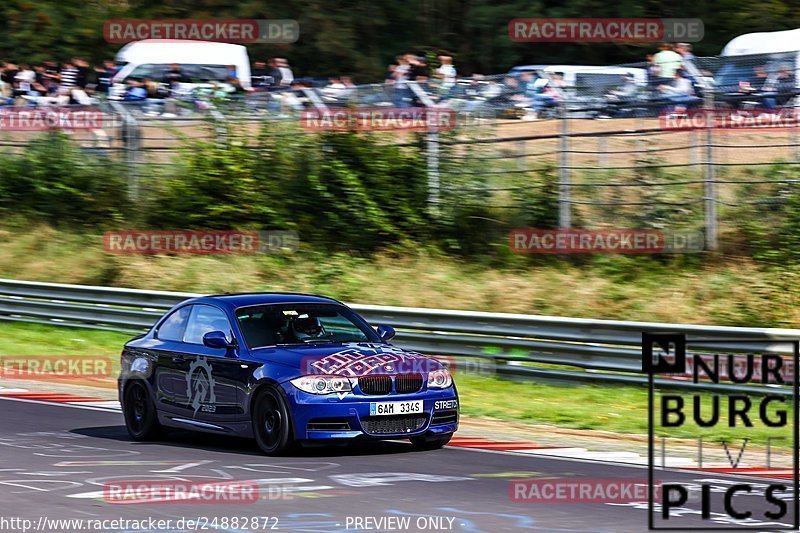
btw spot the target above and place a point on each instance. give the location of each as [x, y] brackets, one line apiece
[692, 146]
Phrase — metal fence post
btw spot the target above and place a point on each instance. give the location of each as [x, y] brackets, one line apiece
[710, 196]
[432, 145]
[564, 206]
[131, 144]
[602, 151]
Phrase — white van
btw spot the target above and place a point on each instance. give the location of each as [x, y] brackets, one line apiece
[202, 62]
[763, 43]
[772, 50]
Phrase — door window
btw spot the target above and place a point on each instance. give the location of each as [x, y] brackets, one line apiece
[173, 327]
[205, 318]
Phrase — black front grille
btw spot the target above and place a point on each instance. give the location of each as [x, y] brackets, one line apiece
[444, 417]
[328, 424]
[387, 425]
[405, 383]
[375, 384]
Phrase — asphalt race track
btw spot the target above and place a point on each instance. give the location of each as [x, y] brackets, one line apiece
[56, 459]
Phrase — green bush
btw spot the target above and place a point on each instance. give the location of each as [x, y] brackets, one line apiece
[56, 181]
[766, 219]
[341, 190]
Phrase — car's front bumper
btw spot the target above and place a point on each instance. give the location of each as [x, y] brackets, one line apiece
[329, 417]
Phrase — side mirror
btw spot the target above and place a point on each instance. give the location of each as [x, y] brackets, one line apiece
[216, 339]
[386, 333]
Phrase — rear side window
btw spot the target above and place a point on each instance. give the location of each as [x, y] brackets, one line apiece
[173, 327]
[205, 318]
[192, 73]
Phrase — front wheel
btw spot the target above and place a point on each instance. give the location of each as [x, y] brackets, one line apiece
[425, 444]
[272, 425]
[141, 418]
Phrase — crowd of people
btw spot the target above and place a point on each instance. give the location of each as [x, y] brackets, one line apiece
[673, 80]
[413, 68]
[71, 82]
[76, 82]
[673, 77]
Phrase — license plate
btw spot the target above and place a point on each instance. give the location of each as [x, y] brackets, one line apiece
[395, 408]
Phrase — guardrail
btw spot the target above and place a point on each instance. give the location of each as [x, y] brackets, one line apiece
[597, 350]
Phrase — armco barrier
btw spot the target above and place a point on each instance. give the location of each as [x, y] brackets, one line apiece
[598, 350]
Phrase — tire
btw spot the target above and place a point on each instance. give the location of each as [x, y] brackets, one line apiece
[426, 444]
[141, 418]
[272, 424]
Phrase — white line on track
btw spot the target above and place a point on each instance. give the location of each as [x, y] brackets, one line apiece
[519, 453]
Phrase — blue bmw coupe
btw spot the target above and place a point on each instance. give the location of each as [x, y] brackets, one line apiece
[283, 369]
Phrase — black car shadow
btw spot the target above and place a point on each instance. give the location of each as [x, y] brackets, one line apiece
[236, 445]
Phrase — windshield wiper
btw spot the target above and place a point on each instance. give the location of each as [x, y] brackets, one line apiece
[312, 341]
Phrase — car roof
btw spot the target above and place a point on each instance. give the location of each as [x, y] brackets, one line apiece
[234, 301]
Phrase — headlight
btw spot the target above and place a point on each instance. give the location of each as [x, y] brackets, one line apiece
[322, 384]
[439, 379]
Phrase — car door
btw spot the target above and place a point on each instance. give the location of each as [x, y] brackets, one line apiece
[214, 381]
[170, 364]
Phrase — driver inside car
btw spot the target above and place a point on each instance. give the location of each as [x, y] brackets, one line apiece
[307, 327]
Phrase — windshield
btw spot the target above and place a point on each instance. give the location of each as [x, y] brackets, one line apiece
[274, 325]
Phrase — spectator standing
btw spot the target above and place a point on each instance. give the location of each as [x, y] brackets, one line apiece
[104, 76]
[24, 80]
[653, 76]
[9, 74]
[260, 76]
[668, 62]
[51, 76]
[84, 71]
[400, 74]
[41, 85]
[274, 71]
[685, 50]
[68, 76]
[391, 69]
[420, 74]
[419, 68]
[287, 76]
[446, 73]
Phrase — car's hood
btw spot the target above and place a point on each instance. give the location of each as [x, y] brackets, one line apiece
[350, 359]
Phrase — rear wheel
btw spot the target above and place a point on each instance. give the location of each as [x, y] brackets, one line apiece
[141, 418]
[427, 443]
[272, 425]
